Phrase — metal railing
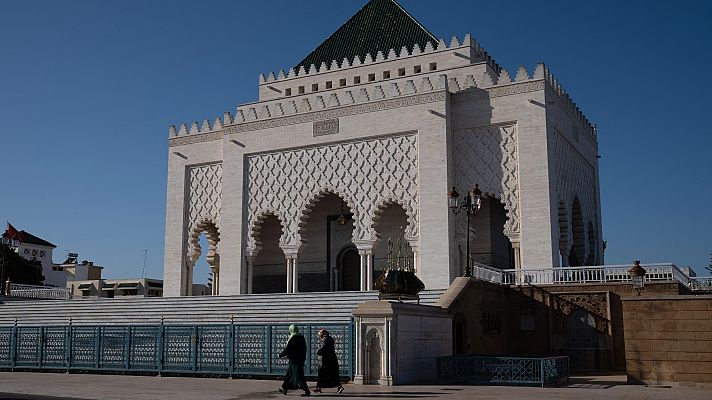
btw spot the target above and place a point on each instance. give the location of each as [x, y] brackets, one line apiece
[38, 292]
[485, 370]
[590, 274]
[222, 350]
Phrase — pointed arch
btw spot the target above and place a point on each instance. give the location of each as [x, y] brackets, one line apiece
[212, 233]
[312, 203]
[254, 242]
[578, 231]
[563, 233]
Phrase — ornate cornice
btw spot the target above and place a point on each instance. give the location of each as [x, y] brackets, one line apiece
[466, 96]
[195, 138]
[399, 102]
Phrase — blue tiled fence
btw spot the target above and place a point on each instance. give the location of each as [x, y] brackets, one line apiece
[483, 370]
[231, 349]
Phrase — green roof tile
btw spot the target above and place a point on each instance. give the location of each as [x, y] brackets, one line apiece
[380, 25]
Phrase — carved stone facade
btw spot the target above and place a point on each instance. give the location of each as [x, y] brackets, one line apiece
[365, 174]
[327, 149]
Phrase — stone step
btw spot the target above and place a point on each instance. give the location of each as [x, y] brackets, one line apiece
[326, 307]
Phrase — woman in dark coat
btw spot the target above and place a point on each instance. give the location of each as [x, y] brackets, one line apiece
[329, 368]
[296, 352]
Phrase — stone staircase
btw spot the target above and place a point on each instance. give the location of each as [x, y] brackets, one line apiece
[324, 307]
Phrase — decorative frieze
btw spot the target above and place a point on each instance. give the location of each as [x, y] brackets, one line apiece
[326, 127]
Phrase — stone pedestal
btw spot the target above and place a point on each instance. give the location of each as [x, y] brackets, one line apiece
[398, 343]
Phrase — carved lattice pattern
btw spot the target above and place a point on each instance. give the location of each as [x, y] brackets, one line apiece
[179, 348]
[54, 346]
[214, 344]
[84, 346]
[488, 156]
[5, 346]
[29, 341]
[502, 370]
[364, 174]
[203, 198]
[575, 178]
[144, 347]
[113, 347]
[251, 352]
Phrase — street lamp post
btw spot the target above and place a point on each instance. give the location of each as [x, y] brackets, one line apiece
[471, 205]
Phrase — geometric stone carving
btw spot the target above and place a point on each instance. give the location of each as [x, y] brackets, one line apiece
[575, 178]
[203, 197]
[487, 156]
[366, 174]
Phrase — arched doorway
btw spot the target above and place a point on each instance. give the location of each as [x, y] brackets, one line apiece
[204, 234]
[349, 269]
[268, 268]
[326, 230]
[391, 222]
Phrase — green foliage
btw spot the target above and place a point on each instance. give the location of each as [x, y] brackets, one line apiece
[18, 269]
[709, 267]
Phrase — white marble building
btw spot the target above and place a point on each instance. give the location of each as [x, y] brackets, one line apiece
[299, 190]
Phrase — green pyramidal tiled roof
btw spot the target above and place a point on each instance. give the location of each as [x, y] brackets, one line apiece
[380, 25]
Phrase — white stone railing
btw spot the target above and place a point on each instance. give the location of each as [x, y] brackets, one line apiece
[590, 274]
[38, 292]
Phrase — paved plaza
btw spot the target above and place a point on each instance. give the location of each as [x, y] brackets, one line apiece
[53, 386]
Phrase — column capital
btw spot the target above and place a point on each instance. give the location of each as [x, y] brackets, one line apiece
[364, 244]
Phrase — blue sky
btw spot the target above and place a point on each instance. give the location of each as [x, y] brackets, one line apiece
[89, 88]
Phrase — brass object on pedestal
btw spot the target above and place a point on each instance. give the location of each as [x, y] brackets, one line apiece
[398, 281]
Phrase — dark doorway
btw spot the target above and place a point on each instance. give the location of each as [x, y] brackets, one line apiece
[350, 268]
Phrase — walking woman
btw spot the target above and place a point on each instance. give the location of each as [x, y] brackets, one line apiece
[296, 352]
[329, 368]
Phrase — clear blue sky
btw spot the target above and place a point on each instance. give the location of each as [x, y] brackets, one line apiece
[89, 88]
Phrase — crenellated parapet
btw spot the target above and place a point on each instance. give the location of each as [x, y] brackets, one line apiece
[488, 76]
[480, 55]
[568, 102]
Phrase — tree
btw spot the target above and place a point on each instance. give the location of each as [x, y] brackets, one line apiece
[709, 267]
[18, 269]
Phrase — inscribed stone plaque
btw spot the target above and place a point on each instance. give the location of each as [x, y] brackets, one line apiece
[326, 127]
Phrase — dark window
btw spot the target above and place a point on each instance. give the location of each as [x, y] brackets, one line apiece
[328, 85]
[386, 74]
[357, 80]
[301, 90]
[315, 87]
[401, 71]
[342, 82]
[288, 92]
[416, 69]
[433, 66]
[371, 77]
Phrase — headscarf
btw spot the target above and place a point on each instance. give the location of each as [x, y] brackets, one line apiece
[293, 330]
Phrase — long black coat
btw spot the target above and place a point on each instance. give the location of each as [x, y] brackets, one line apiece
[296, 352]
[329, 368]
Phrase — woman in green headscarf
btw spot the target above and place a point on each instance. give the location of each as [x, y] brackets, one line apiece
[296, 352]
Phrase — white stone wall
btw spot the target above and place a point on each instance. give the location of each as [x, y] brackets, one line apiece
[404, 139]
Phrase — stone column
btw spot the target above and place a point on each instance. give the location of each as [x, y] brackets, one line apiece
[295, 275]
[365, 250]
[250, 273]
[289, 274]
[369, 270]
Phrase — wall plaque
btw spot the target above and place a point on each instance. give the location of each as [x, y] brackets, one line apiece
[326, 127]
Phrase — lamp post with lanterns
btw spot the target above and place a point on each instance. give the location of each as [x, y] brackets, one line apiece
[471, 205]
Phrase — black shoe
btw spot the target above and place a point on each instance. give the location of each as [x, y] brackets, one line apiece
[283, 391]
[306, 394]
[340, 390]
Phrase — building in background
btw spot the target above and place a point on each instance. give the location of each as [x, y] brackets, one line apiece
[110, 288]
[32, 247]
